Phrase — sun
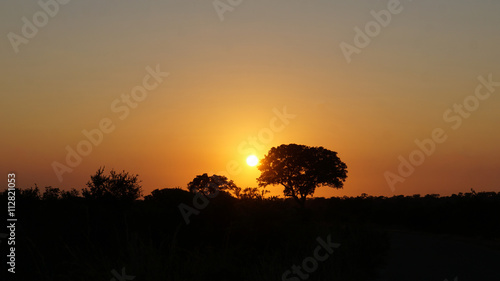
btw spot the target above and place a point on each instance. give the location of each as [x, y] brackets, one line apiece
[252, 160]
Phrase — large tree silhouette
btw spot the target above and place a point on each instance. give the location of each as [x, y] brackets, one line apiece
[300, 169]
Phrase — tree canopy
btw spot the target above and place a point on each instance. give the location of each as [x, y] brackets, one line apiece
[211, 185]
[300, 169]
[121, 186]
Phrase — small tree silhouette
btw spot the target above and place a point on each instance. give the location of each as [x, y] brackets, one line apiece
[252, 193]
[71, 194]
[51, 193]
[32, 193]
[300, 169]
[167, 194]
[121, 186]
[211, 185]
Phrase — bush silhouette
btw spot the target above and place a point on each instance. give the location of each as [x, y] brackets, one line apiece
[117, 186]
[168, 195]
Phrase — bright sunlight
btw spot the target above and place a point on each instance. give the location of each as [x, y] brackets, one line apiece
[252, 160]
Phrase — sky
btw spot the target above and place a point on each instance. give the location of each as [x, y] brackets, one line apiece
[405, 91]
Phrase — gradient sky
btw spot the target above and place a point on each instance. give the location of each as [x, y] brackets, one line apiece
[228, 76]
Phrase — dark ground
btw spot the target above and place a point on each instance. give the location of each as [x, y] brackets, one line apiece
[417, 256]
[399, 238]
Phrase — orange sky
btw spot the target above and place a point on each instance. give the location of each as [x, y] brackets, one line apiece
[230, 73]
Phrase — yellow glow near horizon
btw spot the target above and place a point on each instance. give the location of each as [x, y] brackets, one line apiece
[252, 160]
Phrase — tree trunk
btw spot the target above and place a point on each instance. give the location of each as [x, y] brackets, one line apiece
[301, 201]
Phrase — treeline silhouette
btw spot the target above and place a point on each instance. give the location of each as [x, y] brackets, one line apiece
[73, 235]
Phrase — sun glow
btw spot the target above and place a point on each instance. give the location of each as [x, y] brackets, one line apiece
[252, 160]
